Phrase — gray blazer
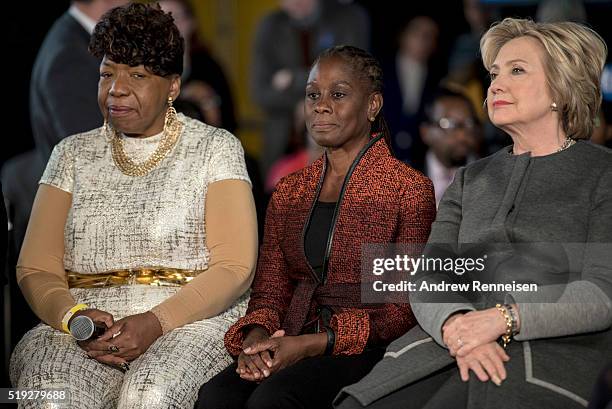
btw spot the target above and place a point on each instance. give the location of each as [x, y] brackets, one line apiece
[563, 198]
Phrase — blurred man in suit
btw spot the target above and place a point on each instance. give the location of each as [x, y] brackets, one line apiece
[65, 77]
[411, 77]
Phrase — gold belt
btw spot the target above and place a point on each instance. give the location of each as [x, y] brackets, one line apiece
[147, 276]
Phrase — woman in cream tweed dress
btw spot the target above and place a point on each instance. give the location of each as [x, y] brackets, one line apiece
[145, 225]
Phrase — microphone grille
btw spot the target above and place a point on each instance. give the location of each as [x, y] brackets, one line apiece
[82, 327]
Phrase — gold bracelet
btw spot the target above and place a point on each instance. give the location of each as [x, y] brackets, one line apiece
[69, 315]
[508, 334]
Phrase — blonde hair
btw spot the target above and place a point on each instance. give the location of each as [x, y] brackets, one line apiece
[575, 56]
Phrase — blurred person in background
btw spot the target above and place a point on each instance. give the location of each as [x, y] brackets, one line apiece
[411, 79]
[205, 86]
[145, 225]
[286, 43]
[304, 152]
[203, 81]
[552, 11]
[452, 135]
[464, 66]
[65, 67]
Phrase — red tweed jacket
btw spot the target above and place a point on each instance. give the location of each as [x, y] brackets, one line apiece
[382, 201]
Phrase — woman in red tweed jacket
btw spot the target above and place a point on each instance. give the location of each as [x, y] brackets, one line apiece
[306, 333]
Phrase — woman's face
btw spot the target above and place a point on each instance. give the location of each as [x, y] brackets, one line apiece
[519, 94]
[133, 99]
[338, 104]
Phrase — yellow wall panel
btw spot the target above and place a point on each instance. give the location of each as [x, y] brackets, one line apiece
[228, 29]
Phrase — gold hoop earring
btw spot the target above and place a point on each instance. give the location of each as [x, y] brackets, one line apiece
[553, 107]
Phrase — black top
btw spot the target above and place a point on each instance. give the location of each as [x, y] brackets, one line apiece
[317, 234]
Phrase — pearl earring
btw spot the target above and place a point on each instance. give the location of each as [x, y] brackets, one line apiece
[553, 107]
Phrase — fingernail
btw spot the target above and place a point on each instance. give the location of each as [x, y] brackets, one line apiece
[247, 350]
[266, 373]
[496, 380]
[269, 363]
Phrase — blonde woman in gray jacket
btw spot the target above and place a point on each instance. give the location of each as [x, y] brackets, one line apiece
[547, 202]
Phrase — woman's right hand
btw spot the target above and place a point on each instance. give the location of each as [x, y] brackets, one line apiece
[97, 316]
[254, 367]
[464, 332]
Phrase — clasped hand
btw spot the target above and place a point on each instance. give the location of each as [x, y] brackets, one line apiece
[263, 355]
[124, 340]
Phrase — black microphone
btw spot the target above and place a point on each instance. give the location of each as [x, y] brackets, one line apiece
[83, 328]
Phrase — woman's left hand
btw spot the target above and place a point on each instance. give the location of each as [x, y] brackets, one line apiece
[486, 361]
[128, 338]
[464, 332]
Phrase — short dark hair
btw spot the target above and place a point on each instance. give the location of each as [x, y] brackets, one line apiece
[444, 92]
[138, 34]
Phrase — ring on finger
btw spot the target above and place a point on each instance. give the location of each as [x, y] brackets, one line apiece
[113, 348]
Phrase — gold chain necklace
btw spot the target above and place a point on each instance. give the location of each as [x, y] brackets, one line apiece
[172, 131]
